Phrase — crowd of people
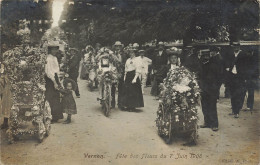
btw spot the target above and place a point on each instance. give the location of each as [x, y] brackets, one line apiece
[139, 66]
[233, 66]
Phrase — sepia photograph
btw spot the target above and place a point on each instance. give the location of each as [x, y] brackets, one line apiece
[129, 82]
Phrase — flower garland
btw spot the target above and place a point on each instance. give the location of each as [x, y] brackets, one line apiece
[179, 97]
[111, 76]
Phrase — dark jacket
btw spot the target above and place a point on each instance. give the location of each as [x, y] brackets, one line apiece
[210, 75]
[159, 63]
[74, 66]
[241, 65]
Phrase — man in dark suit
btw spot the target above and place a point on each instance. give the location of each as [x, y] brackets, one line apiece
[252, 72]
[236, 72]
[159, 62]
[74, 61]
[210, 80]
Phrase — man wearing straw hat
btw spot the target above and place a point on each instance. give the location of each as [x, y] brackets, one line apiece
[144, 63]
[118, 48]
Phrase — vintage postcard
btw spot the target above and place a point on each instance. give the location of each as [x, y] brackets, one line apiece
[129, 82]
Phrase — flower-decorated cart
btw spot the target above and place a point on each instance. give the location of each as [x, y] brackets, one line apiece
[30, 113]
[178, 104]
[25, 67]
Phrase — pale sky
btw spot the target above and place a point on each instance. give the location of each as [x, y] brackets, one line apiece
[57, 9]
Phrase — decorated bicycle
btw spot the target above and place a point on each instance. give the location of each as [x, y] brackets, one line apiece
[107, 74]
[30, 113]
[178, 104]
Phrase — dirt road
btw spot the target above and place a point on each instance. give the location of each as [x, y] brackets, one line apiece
[131, 138]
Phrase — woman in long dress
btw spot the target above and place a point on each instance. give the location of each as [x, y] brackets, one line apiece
[52, 94]
[133, 96]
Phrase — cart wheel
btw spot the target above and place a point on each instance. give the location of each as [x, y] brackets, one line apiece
[160, 131]
[10, 136]
[168, 138]
[47, 118]
[159, 121]
[41, 131]
[48, 127]
[194, 135]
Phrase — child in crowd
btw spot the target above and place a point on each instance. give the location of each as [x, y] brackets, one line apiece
[68, 102]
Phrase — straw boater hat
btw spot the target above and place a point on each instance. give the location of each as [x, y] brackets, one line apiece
[175, 51]
[235, 44]
[160, 43]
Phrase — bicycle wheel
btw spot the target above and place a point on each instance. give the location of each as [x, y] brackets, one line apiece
[107, 100]
[194, 135]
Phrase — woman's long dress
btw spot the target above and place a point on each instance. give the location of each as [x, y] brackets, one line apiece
[133, 96]
[52, 95]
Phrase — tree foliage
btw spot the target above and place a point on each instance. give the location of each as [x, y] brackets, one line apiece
[140, 21]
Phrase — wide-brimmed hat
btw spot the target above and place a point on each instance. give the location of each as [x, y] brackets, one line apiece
[161, 43]
[175, 51]
[118, 43]
[73, 49]
[136, 45]
[235, 44]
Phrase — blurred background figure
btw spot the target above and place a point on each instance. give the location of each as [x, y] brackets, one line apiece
[74, 62]
[159, 62]
[5, 96]
[144, 63]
